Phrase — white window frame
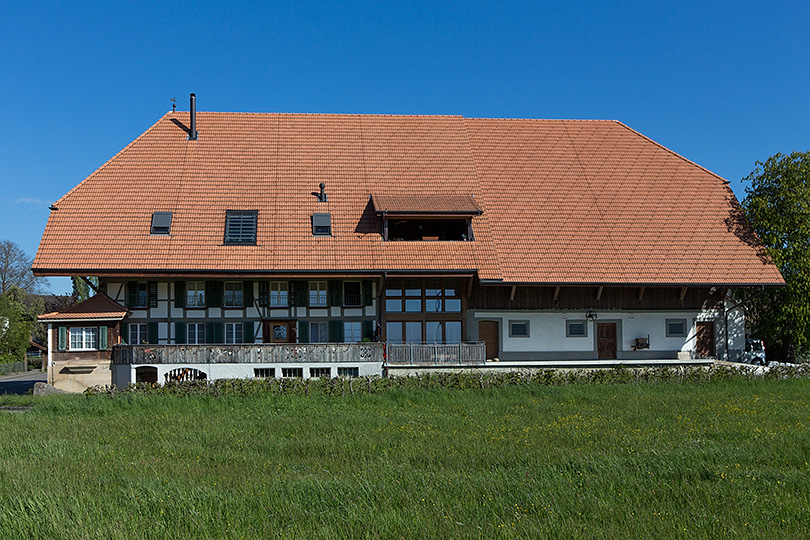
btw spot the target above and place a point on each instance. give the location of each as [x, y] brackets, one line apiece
[195, 333]
[233, 333]
[233, 296]
[318, 294]
[352, 331]
[195, 294]
[138, 333]
[84, 338]
[279, 294]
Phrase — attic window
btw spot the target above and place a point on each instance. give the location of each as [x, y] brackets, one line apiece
[161, 222]
[322, 224]
[240, 226]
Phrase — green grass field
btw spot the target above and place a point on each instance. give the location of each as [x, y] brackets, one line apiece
[666, 460]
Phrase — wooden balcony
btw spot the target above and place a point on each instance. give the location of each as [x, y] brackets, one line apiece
[289, 353]
[442, 354]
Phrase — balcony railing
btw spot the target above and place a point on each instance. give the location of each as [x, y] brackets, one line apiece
[268, 353]
[411, 354]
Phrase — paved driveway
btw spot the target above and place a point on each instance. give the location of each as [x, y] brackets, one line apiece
[21, 383]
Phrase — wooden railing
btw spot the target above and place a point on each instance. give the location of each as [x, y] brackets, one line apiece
[435, 353]
[250, 354]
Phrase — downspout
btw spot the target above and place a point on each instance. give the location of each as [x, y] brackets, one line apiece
[50, 354]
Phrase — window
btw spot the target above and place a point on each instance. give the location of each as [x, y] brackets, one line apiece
[352, 332]
[195, 333]
[264, 373]
[676, 327]
[84, 339]
[138, 334]
[348, 372]
[437, 295]
[233, 294]
[576, 328]
[429, 229]
[322, 372]
[195, 294]
[518, 328]
[233, 333]
[141, 295]
[161, 222]
[322, 224]
[278, 294]
[240, 226]
[317, 293]
[318, 332]
[290, 372]
[351, 294]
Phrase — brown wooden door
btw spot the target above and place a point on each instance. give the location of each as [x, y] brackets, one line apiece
[488, 333]
[277, 332]
[705, 340]
[606, 340]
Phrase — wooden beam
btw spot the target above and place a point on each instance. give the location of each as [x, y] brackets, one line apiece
[470, 287]
[641, 293]
[599, 293]
[683, 293]
[556, 293]
[512, 295]
[90, 284]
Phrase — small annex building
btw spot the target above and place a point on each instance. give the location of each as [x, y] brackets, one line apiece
[255, 245]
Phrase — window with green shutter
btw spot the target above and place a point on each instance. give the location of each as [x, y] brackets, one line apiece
[336, 331]
[179, 294]
[102, 338]
[62, 343]
[264, 293]
[247, 291]
[180, 333]
[303, 332]
[247, 332]
[368, 295]
[152, 332]
[153, 295]
[213, 293]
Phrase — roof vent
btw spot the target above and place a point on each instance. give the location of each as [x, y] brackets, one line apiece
[192, 130]
[161, 223]
[322, 194]
[322, 224]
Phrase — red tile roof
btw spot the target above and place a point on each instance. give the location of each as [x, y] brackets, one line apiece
[425, 203]
[563, 202]
[97, 307]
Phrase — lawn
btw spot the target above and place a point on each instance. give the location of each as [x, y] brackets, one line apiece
[666, 460]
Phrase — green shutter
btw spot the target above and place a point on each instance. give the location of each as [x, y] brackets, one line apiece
[180, 333]
[125, 333]
[247, 293]
[299, 293]
[336, 331]
[303, 331]
[214, 332]
[247, 332]
[151, 288]
[152, 332]
[213, 294]
[368, 295]
[62, 346]
[368, 329]
[132, 293]
[179, 294]
[102, 338]
[334, 292]
[264, 293]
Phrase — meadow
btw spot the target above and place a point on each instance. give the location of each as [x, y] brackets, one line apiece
[723, 459]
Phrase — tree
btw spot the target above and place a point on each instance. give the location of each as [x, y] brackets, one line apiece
[15, 325]
[81, 289]
[15, 269]
[777, 204]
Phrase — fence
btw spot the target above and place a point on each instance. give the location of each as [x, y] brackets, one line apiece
[13, 367]
[435, 353]
[250, 354]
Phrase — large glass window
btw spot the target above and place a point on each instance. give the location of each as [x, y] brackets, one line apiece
[352, 332]
[317, 293]
[84, 339]
[414, 295]
[138, 333]
[233, 333]
[195, 333]
[195, 294]
[318, 332]
[278, 294]
[393, 332]
[233, 294]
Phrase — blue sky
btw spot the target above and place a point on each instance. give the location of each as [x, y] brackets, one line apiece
[722, 83]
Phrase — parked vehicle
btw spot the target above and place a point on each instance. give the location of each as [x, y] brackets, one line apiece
[754, 352]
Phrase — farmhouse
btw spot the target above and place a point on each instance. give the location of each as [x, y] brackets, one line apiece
[242, 245]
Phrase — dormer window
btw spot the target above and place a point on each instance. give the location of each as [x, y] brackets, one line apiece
[161, 223]
[322, 224]
[240, 226]
[426, 217]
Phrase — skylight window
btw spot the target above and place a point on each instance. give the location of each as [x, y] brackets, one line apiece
[322, 224]
[161, 222]
[240, 226]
